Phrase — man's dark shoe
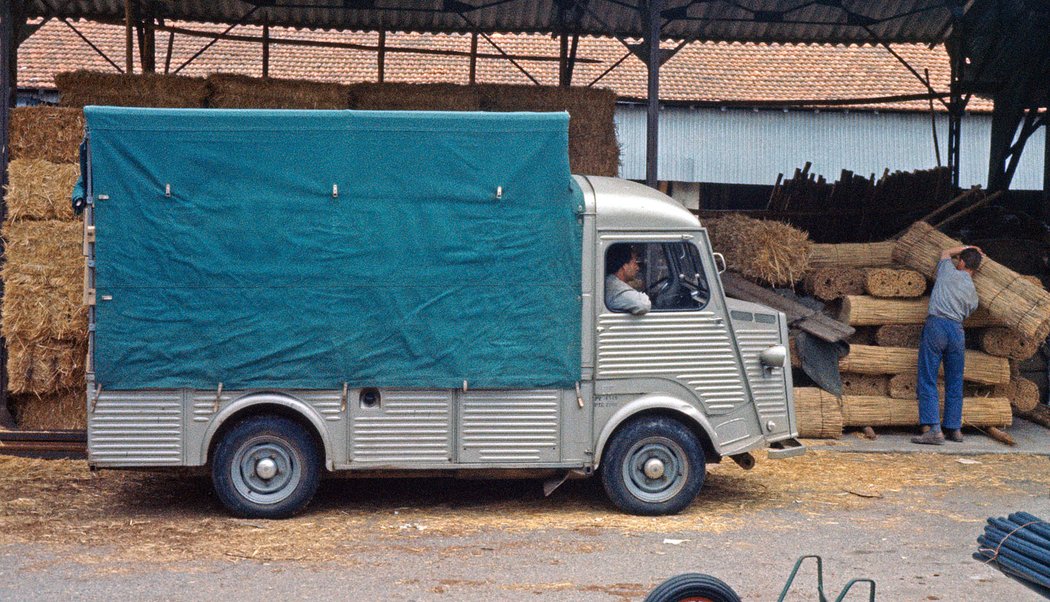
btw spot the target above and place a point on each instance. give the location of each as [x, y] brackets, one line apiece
[954, 435]
[930, 437]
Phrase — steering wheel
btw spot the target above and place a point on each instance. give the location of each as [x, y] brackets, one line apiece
[659, 287]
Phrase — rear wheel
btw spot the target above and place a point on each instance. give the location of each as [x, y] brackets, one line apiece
[266, 467]
[693, 587]
[653, 466]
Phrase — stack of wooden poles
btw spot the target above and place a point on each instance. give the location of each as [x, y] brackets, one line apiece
[881, 290]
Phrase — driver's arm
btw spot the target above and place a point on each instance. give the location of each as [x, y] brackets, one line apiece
[620, 296]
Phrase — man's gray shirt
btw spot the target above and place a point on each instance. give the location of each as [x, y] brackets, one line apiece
[954, 296]
[621, 297]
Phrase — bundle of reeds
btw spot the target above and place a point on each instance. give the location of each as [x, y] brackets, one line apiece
[905, 386]
[852, 255]
[899, 335]
[865, 410]
[892, 282]
[771, 252]
[40, 190]
[1005, 342]
[1022, 393]
[1008, 297]
[227, 90]
[818, 413]
[865, 384]
[979, 367]
[862, 310]
[82, 88]
[831, 283]
[46, 133]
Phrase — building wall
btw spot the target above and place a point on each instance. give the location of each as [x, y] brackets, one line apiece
[743, 146]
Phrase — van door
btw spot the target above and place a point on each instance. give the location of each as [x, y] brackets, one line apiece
[683, 346]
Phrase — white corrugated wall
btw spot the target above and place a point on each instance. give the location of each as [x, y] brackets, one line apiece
[742, 146]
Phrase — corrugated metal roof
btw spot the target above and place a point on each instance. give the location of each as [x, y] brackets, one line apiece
[767, 21]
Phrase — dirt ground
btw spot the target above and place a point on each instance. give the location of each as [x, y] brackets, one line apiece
[909, 521]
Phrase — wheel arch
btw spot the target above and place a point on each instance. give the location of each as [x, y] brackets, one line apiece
[277, 404]
[659, 405]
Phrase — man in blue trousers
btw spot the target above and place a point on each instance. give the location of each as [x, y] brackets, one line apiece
[953, 298]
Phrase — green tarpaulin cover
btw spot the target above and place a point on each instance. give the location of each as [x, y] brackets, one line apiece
[307, 249]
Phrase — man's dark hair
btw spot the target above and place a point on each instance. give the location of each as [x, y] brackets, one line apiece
[971, 257]
[618, 256]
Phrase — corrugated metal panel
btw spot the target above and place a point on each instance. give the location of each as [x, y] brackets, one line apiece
[737, 146]
[753, 20]
[510, 426]
[136, 428]
[767, 385]
[407, 428]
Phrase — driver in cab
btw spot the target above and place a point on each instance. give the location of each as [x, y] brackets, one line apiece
[621, 266]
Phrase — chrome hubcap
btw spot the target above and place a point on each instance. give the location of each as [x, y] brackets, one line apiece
[266, 468]
[654, 468]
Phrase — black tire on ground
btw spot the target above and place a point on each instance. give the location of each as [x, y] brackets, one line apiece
[653, 466]
[690, 586]
[266, 467]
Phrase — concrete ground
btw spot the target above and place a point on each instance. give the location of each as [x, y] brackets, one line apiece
[1030, 438]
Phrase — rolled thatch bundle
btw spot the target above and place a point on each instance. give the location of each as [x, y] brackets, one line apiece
[413, 97]
[593, 147]
[1022, 393]
[817, 413]
[899, 335]
[48, 133]
[863, 310]
[40, 190]
[60, 410]
[772, 252]
[231, 91]
[865, 384]
[831, 283]
[871, 410]
[1005, 342]
[863, 335]
[905, 386]
[892, 282]
[852, 255]
[82, 88]
[43, 367]
[1008, 297]
[979, 367]
[43, 281]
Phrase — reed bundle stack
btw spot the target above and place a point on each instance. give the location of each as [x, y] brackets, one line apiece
[865, 384]
[863, 310]
[771, 252]
[871, 410]
[893, 282]
[230, 91]
[80, 88]
[829, 284]
[979, 367]
[1005, 342]
[818, 413]
[905, 386]
[899, 335]
[1013, 300]
[852, 255]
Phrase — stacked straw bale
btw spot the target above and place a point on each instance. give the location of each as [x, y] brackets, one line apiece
[818, 413]
[414, 97]
[81, 88]
[230, 91]
[770, 252]
[43, 318]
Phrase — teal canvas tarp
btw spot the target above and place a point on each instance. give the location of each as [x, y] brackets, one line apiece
[308, 249]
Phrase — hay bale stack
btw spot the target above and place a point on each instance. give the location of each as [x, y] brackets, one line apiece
[229, 91]
[414, 97]
[892, 282]
[39, 190]
[1016, 302]
[59, 410]
[852, 255]
[899, 335]
[865, 384]
[46, 133]
[771, 252]
[905, 386]
[979, 367]
[828, 284]
[863, 310]
[870, 410]
[1004, 342]
[593, 147]
[81, 88]
[45, 366]
[817, 413]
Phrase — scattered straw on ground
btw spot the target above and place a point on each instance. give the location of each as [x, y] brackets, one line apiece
[167, 517]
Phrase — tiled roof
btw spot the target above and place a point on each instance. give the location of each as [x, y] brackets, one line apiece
[699, 73]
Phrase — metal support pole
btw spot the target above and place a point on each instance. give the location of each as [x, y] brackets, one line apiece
[1046, 170]
[129, 56]
[563, 60]
[473, 58]
[956, 107]
[266, 47]
[8, 94]
[652, 123]
[381, 56]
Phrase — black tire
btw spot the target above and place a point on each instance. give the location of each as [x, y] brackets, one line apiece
[266, 467]
[680, 460]
[693, 586]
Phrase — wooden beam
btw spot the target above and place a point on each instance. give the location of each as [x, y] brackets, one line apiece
[129, 57]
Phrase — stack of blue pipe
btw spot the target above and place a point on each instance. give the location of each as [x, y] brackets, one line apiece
[1019, 546]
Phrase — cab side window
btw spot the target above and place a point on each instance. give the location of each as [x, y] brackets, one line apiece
[668, 275]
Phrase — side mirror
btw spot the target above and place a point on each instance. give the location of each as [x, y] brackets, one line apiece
[774, 357]
[720, 262]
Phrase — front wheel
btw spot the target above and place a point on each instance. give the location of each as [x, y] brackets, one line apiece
[693, 587]
[266, 467]
[653, 466]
